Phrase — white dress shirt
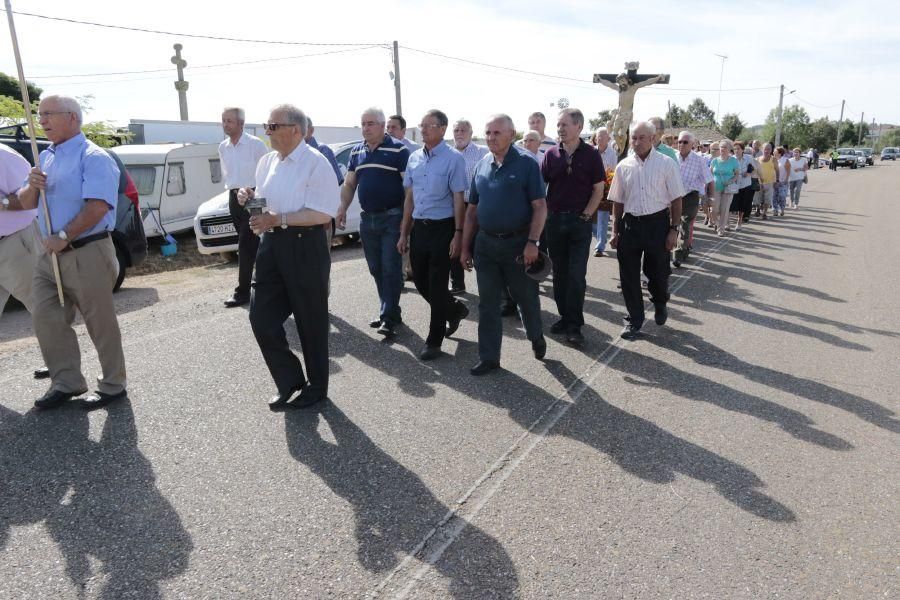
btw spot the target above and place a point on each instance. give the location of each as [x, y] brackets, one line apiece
[610, 158]
[239, 160]
[303, 179]
[646, 186]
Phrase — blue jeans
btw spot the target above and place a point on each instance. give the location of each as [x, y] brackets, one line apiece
[795, 191]
[781, 192]
[601, 230]
[569, 245]
[497, 271]
[380, 233]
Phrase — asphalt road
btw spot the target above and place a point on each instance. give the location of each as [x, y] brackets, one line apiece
[749, 449]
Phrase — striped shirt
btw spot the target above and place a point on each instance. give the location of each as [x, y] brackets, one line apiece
[646, 186]
[472, 153]
[379, 174]
[695, 174]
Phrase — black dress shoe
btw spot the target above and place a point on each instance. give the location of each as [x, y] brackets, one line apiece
[483, 367]
[558, 327]
[453, 324]
[375, 324]
[306, 398]
[278, 402]
[42, 373]
[54, 398]
[101, 399]
[509, 309]
[676, 263]
[661, 315]
[236, 300]
[458, 289]
[386, 329]
[430, 353]
[631, 332]
[539, 347]
[574, 336]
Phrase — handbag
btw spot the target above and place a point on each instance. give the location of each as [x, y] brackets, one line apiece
[754, 184]
[805, 178]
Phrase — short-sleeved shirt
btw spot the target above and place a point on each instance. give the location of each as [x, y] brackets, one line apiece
[328, 154]
[745, 161]
[668, 151]
[379, 174]
[239, 160]
[303, 179]
[767, 171]
[434, 176]
[723, 171]
[646, 186]
[504, 193]
[571, 192]
[78, 170]
[14, 170]
[798, 168]
[472, 154]
[695, 174]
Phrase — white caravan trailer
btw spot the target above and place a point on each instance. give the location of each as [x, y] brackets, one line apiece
[172, 180]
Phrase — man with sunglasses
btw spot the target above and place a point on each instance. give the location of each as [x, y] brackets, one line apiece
[293, 263]
[697, 180]
[574, 172]
[431, 230]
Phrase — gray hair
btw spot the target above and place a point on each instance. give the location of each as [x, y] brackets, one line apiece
[602, 130]
[465, 123]
[646, 126]
[294, 116]
[68, 104]
[375, 112]
[575, 114]
[505, 118]
[532, 135]
[309, 124]
[658, 122]
[689, 135]
[238, 112]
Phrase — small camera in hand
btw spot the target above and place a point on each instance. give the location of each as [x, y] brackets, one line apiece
[256, 206]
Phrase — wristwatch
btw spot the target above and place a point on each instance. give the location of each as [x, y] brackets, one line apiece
[585, 217]
[535, 242]
[284, 224]
[61, 234]
[673, 227]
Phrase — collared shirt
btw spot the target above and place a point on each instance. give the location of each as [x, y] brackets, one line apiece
[78, 170]
[14, 170]
[504, 193]
[571, 191]
[327, 153]
[434, 176]
[646, 186]
[610, 157]
[668, 151]
[745, 161]
[239, 160]
[472, 153]
[546, 143]
[695, 174]
[379, 173]
[410, 145]
[303, 179]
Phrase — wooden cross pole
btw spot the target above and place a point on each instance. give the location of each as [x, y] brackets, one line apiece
[29, 118]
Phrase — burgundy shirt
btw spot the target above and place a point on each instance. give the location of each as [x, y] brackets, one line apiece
[571, 192]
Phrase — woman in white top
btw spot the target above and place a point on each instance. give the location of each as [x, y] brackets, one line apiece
[783, 173]
[799, 165]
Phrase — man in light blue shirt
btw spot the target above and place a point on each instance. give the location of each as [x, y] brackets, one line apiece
[81, 183]
[435, 182]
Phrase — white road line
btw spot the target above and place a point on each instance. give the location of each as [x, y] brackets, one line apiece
[451, 526]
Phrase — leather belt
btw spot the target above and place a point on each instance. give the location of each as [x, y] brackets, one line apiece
[427, 222]
[81, 242]
[651, 217]
[502, 235]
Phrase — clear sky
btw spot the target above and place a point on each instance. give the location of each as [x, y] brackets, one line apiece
[825, 50]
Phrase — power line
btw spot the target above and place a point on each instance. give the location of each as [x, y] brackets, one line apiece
[187, 35]
[807, 102]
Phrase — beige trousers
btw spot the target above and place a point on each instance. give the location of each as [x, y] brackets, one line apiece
[19, 254]
[88, 276]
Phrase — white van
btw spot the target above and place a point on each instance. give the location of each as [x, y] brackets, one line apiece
[172, 180]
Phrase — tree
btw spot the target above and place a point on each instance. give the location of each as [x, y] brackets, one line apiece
[700, 114]
[677, 116]
[9, 86]
[795, 126]
[102, 133]
[822, 134]
[732, 126]
[603, 117]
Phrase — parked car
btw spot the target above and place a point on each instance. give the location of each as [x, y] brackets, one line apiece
[215, 231]
[847, 158]
[869, 154]
[861, 160]
[890, 153]
[128, 236]
[172, 181]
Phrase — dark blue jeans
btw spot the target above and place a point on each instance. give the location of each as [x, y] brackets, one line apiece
[497, 270]
[569, 245]
[380, 233]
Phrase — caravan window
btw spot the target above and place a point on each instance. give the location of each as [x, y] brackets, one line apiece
[215, 170]
[175, 182]
[144, 179]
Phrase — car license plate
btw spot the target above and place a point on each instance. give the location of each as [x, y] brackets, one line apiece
[219, 229]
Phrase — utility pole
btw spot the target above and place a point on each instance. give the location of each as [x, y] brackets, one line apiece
[721, 77]
[397, 78]
[181, 85]
[781, 96]
[859, 141]
[837, 142]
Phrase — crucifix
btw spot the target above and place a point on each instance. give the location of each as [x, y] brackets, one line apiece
[181, 85]
[626, 84]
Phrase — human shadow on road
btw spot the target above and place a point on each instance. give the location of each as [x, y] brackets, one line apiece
[647, 451]
[393, 508]
[97, 499]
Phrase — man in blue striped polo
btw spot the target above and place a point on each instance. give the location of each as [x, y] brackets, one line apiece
[376, 170]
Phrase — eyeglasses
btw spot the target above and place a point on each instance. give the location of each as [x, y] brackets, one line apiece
[684, 141]
[275, 126]
[429, 126]
[50, 113]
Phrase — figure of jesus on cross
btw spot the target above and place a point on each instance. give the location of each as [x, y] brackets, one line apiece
[626, 84]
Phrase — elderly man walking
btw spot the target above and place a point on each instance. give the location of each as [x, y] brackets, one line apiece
[472, 153]
[646, 191]
[81, 182]
[238, 154]
[375, 170]
[576, 176]
[433, 212]
[697, 180]
[610, 159]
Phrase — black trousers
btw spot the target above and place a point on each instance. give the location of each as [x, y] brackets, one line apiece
[248, 243]
[690, 206]
[429, 256]
[569, 245]
[642, 240]
[292, 271]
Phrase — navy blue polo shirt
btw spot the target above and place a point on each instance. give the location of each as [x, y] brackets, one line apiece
[379, 174]
[504, 194]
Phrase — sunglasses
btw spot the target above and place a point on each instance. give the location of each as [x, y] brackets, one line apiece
[275, 126]
[684, 141]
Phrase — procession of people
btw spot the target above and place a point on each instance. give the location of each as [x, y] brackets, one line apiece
[516, 213]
